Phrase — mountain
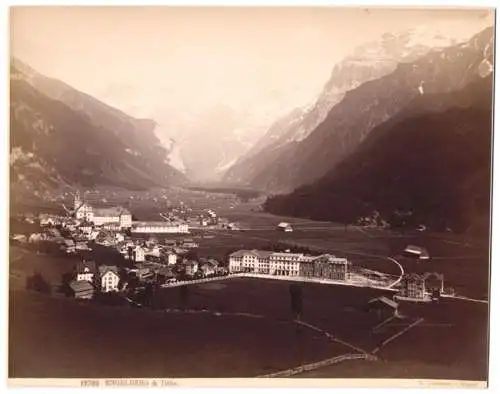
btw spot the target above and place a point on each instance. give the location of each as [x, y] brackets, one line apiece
[62, 136]
[429, 164]
[268, 165]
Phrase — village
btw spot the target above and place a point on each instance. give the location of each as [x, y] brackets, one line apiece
[156, 254]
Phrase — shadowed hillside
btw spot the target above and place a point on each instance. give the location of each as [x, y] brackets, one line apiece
[428, 165]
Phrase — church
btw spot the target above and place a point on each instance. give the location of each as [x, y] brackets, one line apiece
[102, 216]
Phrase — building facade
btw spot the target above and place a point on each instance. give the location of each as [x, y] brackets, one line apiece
[256, 261]
[289, 264]
[85, 271]
[330, 267]
[285, 264]
[412, 286]
[159, 227]
[171, 258]
[102, 216]
[139, 254]
[109, 278]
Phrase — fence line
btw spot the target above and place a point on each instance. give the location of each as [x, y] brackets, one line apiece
[350, 283]
[319, 364]
[398, 334]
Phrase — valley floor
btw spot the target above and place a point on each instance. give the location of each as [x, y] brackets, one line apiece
[247, 329]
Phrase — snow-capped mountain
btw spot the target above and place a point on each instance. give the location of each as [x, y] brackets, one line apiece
[362, 109]
[367, 62]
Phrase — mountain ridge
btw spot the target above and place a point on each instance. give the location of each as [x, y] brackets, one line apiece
[363, 108]
[254, 170]
[432, 161]
[84, 141]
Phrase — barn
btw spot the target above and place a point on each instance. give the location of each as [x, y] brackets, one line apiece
[286, 227]
[416, 252]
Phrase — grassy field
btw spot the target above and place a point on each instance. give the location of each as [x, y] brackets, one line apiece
[445, 338]
[254, 335]
[465, 265]
[337, 309]
[446, 345]
[24, 263]
[75, 341]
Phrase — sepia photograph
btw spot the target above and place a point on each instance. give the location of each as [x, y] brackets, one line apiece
[249, 195]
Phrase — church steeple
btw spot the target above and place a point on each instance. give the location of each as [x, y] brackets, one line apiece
[77, 201]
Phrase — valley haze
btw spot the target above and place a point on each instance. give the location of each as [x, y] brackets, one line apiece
[260, 192]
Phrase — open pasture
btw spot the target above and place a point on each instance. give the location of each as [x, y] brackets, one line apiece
[60, 338]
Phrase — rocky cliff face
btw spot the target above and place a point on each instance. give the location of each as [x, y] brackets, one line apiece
[368, 63]
[429, 164]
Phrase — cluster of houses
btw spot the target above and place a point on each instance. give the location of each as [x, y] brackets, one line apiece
[209, 218]
[325, 266]
[121, 218]
[149, 262]
[88, 278]
[67, 234]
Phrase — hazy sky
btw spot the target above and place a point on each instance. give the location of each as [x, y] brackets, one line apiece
[158, 62]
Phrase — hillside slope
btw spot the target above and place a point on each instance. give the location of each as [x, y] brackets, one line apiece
[363, 108]
[62, 136]
[429, 165]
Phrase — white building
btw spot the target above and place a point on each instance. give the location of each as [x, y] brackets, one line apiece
[171, 258]
[102, 216]
[115, 215]
[285, 263]
[85, 270]
[286, 227]
[48, 220]
[139, 254]
[153, 251]
[82, 210]
[109, 278]
[417, 251]
[119, 237]
[256, 261]
[159, 227]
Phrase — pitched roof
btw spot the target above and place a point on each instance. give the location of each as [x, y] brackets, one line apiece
[81, 265]
[386, 301]
[81, 285]
[329, 258]
[263, 254]
[415, 249]
[287, 254]
[103, 269]
[113, 211]
[413, 276]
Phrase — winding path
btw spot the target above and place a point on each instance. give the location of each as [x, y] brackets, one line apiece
[396, 282]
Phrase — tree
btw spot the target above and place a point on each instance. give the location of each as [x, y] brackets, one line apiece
[65, 288]
[296, 300]
[149, 292]
[37, 283]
